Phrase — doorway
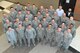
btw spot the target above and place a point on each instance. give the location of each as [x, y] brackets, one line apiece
[66, 4]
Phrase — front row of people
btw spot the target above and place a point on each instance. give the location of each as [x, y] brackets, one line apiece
[21, 36]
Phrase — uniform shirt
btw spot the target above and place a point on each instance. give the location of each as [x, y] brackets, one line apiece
[11, 35]
[29, 16]
[30, 33]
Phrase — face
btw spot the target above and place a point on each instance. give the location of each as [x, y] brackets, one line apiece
[59, 29]
[44, 19]
[40, 25]
[26, 19]
[46, 10]
[10, 29]
[17, 20]
[29, 27]
[70, 9]
[53, 21]
[69, 30]
[49, 26]
[39, 13]
[28, 4]
[35, 18]
[4, 15]
[19, 12]
[47, 14]
[55, 13]
[60, 7]
[63, 24]
[20, 26]
[64, 14]
[51, 7]
[41, 7]
[7, 21]
[28, 12]
[33, 6]
[71, 18]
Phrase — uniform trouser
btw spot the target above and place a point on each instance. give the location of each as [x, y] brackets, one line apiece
[13, 42]
[48, 40]
[29, 41]
[40, 39]
[20, 40]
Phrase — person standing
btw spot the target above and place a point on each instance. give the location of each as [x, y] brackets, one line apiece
[20, 34]
[40, 33]
[67, 39]
[30, 34]
[11, 36]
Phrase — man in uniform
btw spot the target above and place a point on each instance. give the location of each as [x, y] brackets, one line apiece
[20, 34]
[34, 10]
[48, 18]
[8, 23]
[30, 34]
[26, 22]
[49, 34]
[51, 10]
[12, 14]
[11, 35]
[44, 22]
[67, 40]
[29, 15]
[18, 7]
[35, 22]
[39, 16]
[40, 33]
[21, 16]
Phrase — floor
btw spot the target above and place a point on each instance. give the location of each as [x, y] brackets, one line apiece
[6, 48]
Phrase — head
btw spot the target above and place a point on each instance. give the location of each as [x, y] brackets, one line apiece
[47, 10]
[40, 25]
[44, 19]
[55, 14]
[60, 7]
[28, 12]
[28, 4]
[59, 29]
[33, 5]
[70, 10]
[7, 21]
[49, 25]
[69, 30]
[9, 28]
[47, 14]
[17, 19]
[41, 7]
[64, 14]
[26, 19]
[20, 25]
[4, 14]
[35, 18]
[71, 18]
[53, 20]
[19, 12]
[29, 26]
[39, 13]
[51, 7]
[18, 3]
[63, 24]
[71, 25]
[11, 8]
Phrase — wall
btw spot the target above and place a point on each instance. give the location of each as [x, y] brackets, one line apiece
[77, 10]
[38, 3]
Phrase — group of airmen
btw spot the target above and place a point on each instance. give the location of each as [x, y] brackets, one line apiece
[32, 24]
